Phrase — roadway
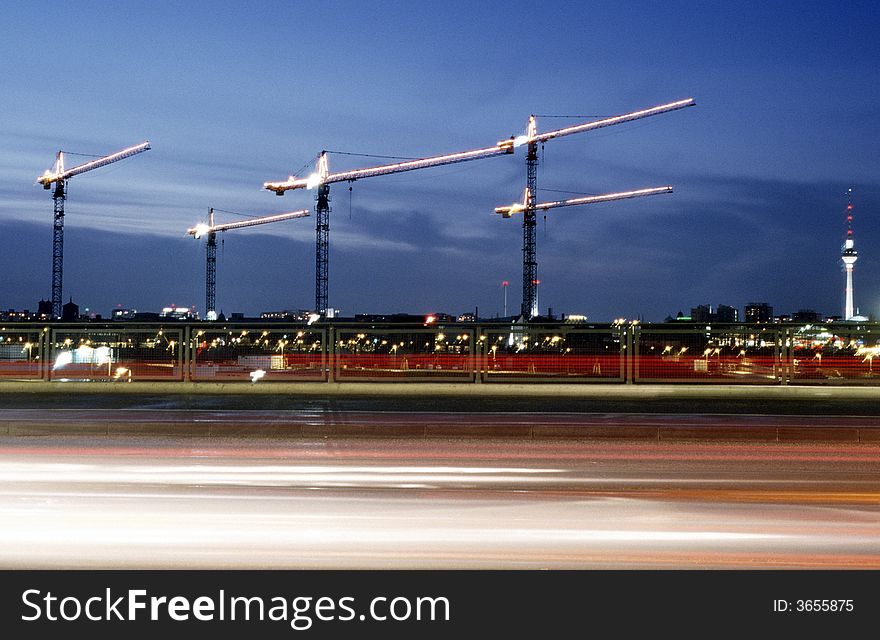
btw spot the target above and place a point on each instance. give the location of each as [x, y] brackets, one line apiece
[483, 398]
[167, 501]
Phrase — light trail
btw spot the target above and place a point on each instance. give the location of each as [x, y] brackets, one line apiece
[455, 503]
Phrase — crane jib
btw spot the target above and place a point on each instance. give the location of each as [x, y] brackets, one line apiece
[64, 174]
[386, 169]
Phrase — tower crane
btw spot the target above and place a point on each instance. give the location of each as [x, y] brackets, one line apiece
[523, 207]
[322, 179]
[59, 175]
[211, 231]
[531, 139]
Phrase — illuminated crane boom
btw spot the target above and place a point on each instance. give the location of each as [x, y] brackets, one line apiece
[58, 172]
[520, 207]
[201, 229]
[59, 175]
[533, 136]
[322, 179]
[531, 139]
[211, 231]
[323, 176]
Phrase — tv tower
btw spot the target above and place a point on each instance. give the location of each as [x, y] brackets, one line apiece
[849, 255]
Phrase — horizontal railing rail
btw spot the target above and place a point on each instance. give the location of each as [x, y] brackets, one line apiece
[833, 353]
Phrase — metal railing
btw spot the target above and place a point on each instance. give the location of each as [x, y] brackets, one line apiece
[482, 353]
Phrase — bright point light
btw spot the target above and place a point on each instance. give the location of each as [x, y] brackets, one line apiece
[200, 230]
[312, 181]
[63, 359]
[257, 375]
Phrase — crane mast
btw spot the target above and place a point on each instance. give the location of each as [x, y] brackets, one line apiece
[60, 175]
[58, 197]
[322, 249]
[211, 230]
[529, 307]
[211, 276]
[322, 179]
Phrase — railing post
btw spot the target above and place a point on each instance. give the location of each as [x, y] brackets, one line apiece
[477, 354]
[186, 353]
[630, 354]
[330, 353]
[50, 352]
[780, 355]
[44, 353]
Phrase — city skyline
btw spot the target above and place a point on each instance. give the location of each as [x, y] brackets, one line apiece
[783, 126]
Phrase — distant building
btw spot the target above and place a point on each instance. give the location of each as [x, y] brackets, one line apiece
[726, 314]
[467, 317]
[758, 312]
[680, 317]
[70, 311]
[806, 315]
[178, 313]
[705, 314]
[405, 318]
[702, 313]
[300, 315]
[402, 318]
[44, 309]
[123, 314]
[11, 315]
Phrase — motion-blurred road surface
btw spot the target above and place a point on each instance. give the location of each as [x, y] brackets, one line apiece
[235, 502]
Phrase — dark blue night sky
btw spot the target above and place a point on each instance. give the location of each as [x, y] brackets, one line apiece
[234, 94]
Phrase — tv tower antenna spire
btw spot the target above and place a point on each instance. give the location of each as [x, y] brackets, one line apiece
[849, 255]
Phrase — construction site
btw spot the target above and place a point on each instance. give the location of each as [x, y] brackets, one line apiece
[322, 178]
